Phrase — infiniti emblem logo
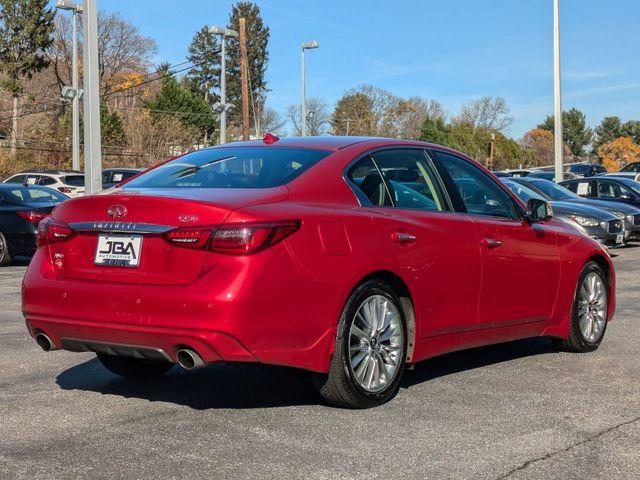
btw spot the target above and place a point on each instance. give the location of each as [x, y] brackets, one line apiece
[116, 211]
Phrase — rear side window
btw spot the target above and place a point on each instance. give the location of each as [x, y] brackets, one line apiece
[370, 186]
[46, 181]
[609, 190]
[249, 167]
[74, 180]
[21, 195]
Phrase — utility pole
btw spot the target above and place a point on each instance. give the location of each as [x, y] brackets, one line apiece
[92, 142]
[557, 95]
[245, 84]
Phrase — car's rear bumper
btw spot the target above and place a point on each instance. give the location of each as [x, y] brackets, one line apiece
[77, 335]
[230, 313]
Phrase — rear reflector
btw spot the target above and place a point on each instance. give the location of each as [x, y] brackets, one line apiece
[52, 231]
[234, 238]
[65, 189]
[33, 216]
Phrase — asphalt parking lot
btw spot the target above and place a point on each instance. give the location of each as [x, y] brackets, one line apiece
[517, 410]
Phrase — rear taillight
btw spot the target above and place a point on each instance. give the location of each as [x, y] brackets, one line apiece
[65, 189]
[33, 217]
[52, 231]
[186, 237]
[248, 238]
[234, 238]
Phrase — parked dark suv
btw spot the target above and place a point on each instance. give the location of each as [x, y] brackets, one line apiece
[586, 169]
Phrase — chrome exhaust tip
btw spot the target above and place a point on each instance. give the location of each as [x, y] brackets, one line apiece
[45, 342]
[189, 359]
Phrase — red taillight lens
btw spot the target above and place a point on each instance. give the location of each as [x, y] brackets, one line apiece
[234, 238]
[65, 189]
[248, 238]
[52, 231]
[33, 217]
[190, 238]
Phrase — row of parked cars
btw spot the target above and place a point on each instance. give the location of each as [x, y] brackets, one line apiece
[605, 206]
[28, 197]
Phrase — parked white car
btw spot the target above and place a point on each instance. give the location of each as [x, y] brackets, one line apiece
[69, 182]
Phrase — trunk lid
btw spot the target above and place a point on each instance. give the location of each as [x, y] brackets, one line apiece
[132, 213]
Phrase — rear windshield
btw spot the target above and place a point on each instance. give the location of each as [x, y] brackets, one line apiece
[74, 180]
[253, 167]
[20, 195]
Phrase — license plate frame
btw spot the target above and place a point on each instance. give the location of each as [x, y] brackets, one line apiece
[619, 238]
[118, 250]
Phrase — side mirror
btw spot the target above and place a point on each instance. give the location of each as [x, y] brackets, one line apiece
[538, 210]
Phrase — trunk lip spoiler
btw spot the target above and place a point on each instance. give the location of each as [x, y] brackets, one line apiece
[120, 227]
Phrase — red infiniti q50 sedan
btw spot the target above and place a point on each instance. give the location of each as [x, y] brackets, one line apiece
[349, 257]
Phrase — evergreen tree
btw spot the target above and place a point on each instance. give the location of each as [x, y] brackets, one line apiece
[25, 34]
[111, 127]
[257, 58]
[176, 100]
[435, 130]
[631, 129]
[204, 52]
[576, 134]
[609, 129]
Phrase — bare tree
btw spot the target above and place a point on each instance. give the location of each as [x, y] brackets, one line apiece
[486, 112]
[413, 114]
[318, 118]
[122, 49]
[270, 121]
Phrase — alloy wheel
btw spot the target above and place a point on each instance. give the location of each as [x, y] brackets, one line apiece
[592, 307]
[376, 343]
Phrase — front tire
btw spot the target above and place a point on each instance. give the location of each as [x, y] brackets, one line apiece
[134, 368]
[588, 321]
[370, 351]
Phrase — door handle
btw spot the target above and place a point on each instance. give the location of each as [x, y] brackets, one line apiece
[403, 237]
[491, 242]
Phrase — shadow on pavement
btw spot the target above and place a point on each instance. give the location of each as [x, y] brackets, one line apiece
[263, 386]
[476, 358]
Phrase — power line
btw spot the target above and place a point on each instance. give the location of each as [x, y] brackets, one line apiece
[166, 75]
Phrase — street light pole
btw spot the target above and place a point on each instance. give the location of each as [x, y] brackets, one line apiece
[303, 104]
[224, 33]
[75, 106]
[557, 94]
[92, 141]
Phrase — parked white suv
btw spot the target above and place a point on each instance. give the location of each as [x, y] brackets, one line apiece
[69, 182]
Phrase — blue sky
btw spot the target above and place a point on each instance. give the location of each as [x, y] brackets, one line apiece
[451, 51]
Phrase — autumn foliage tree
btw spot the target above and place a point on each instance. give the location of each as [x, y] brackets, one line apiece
[619, 152]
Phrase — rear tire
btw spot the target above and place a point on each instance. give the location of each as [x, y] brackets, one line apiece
[366, 370]
[5, 255]
[134, 368]
[589, 311]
